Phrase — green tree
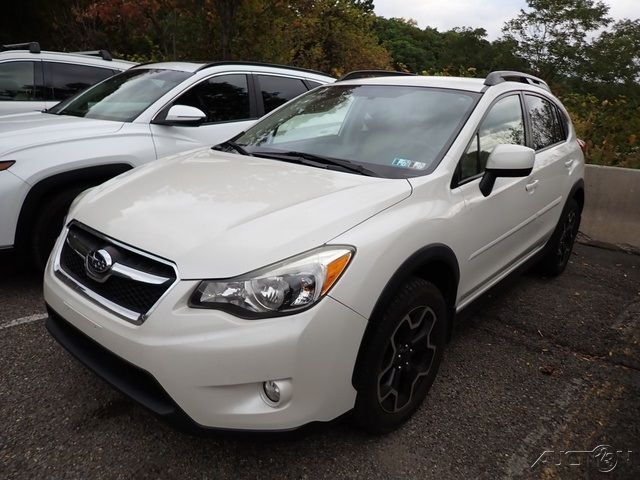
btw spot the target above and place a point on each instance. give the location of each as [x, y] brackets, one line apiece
[335, 36]
[614, 56]
[553, 34]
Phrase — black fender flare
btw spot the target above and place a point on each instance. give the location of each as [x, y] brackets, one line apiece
[577, 192]
[436, 255]
[87, 176]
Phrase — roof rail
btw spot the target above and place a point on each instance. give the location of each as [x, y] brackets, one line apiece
[104, 54]
[261, 64]
[33, 47]
[373, 73]
[494, 78]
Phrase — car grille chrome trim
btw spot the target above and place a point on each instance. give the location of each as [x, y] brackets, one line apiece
[119, 271]
[122, 270]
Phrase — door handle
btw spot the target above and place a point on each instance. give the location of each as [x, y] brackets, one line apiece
[530, 187]
[568, 163]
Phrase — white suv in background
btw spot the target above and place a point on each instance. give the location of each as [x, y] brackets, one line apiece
[32, 80]
[316, 267]
[147, 112]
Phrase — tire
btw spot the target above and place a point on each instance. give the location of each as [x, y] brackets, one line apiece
[387, 395]
[560, 245]
[48, 225]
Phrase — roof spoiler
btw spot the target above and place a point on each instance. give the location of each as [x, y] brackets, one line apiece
[494, 78]
[356, 74]
[33, 47]
[104, 54]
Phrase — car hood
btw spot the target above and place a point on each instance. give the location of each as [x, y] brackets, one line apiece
[25, 130]
[218, 215]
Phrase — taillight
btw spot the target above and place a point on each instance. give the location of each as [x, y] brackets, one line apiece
[583, 146]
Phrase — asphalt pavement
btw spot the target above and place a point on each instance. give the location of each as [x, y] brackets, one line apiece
[541, 373]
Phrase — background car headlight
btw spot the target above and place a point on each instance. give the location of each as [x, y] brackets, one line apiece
[285, 287]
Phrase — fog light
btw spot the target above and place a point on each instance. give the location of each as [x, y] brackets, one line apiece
[271, 391]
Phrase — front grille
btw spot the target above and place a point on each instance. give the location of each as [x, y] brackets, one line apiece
[136, 295]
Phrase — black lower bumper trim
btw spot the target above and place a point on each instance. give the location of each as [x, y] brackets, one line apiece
[134, 382]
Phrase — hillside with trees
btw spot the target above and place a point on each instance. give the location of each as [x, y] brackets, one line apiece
[591, 62]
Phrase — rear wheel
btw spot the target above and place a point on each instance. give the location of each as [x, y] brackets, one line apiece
[48, 225]
[561, 242]
[401, 358]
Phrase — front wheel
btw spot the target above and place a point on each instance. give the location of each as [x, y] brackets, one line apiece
[401, 357]
[561, 242]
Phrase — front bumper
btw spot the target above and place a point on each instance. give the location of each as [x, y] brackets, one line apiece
[208, 366]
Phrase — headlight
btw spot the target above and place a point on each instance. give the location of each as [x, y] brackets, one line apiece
[283, 288]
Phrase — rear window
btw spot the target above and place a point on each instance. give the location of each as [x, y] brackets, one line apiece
[65, 79]
[279, 90]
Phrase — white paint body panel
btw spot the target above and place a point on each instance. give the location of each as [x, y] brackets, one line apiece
[219, 215]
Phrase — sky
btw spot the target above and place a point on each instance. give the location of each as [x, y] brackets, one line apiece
[489, 14]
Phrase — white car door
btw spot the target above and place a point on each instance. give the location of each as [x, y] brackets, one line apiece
[225, 100]
[20, 87]
[499, 226]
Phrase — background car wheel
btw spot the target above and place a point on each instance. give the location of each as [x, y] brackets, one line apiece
[561, 242]
[48, 225]
[401, 357]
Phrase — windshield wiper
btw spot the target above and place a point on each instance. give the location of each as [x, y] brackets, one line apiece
[231, 145]
[315, 160]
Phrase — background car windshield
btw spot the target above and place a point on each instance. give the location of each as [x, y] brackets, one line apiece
[395, 131]
[122, 97]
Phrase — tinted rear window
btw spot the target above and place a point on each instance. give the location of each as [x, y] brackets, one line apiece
[545, 123]
[279, 90]
[65, 79]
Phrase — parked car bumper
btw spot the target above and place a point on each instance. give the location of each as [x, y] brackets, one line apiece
[211, 366]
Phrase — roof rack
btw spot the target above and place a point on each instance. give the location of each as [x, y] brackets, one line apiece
[104, 54]
[494, 78]
[33, 47]
[373, 73]
[261, 64]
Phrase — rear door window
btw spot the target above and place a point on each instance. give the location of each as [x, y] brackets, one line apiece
[63, 80]
[279, 90]
[546, 126]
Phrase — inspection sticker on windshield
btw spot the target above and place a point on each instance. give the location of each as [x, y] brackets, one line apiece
[405, 163]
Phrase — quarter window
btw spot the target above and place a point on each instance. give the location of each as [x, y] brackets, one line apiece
[17, 82]
[65, 79]
[223, 98]
[504, 124]
[546, 125]
[279, 90]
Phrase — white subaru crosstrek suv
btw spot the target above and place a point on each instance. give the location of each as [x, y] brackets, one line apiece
[33, 80]
[316, 267]
[147, 112]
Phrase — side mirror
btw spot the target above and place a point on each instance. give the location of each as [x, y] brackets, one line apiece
[183, 115]
[507, 161]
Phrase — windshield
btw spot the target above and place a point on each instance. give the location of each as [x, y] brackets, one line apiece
[122, 97]
[393, 131]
